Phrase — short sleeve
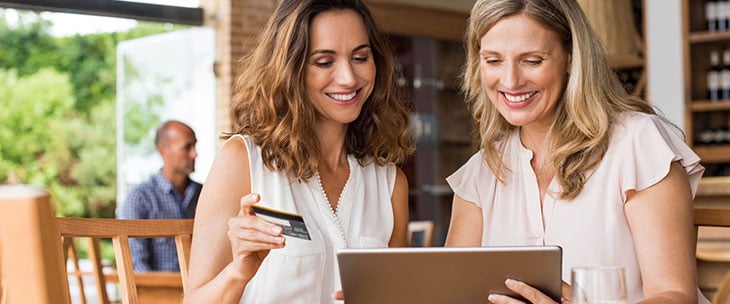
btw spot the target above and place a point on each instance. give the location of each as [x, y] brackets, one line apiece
[464, 180]
[650, 146]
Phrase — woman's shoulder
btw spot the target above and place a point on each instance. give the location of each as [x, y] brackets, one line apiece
[236, 150]
[369, 164]
[475, 168]
[631, 118]
[637, 124]
[236, 143]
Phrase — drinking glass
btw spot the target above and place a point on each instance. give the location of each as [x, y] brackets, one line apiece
[598, 285]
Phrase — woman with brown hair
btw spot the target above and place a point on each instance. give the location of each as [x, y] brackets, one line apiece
[319, 131]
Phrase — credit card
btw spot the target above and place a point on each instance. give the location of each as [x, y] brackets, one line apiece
[292, 224]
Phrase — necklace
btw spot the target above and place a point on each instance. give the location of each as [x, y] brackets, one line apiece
[334, 212]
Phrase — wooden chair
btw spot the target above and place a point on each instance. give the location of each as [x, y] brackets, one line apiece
[32, 255]
[120, 231]
[707, 249]
[33, 269]
[420, 233]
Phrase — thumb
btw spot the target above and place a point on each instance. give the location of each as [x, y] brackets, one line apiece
[247, 201]
[566, 290]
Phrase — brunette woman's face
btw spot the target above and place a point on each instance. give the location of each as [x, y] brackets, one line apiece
[524, 68]
[340, 71]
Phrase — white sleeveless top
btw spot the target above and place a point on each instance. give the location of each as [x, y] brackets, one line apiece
[306, 271]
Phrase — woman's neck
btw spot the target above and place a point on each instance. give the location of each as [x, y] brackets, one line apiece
[332, 146]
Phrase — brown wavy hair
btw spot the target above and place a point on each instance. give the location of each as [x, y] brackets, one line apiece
[592, 100]
[271, 105]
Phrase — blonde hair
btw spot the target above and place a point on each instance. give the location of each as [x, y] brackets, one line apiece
[591, 102]
[271, 105]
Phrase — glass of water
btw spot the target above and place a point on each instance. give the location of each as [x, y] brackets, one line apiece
[598, 285]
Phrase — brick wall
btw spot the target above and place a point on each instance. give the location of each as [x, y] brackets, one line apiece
[236, 22]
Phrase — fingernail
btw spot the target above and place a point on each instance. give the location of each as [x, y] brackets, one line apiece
[253, 196]
[492, 298]
[276, 229]
[510, 283]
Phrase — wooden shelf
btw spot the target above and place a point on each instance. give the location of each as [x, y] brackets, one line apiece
[713, 154]
[700, 113]
[627, 62]
[706, 37]
[714, 186]
[709, 106]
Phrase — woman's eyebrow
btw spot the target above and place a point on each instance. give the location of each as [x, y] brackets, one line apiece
[325, 51]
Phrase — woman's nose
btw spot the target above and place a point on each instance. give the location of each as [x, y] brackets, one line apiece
[345, 75]
[510, 76]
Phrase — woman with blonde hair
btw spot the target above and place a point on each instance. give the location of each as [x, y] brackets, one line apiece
[319, 131]
[567, 157]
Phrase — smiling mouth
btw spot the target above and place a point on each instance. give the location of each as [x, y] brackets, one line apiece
[518, 98]
[342, 97]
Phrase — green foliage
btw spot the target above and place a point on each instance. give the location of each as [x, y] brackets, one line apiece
[26, 133]
[89, 60]
[45, 142]
[27, 47]
[58, 123]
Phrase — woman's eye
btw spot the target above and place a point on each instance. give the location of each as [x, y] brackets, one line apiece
[323, 64]
[491, 60]
[361, 58]
[533, 62]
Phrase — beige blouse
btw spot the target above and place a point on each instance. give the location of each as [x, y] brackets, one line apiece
[592, 229]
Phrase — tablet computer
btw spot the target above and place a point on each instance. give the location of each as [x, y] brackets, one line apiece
[445, 274]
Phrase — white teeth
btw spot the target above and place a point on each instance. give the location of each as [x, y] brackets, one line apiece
[343, 97]
[518, 98]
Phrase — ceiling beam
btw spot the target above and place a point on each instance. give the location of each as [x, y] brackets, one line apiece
[114, 8]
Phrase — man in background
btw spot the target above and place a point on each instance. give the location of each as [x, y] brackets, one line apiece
[169, 194]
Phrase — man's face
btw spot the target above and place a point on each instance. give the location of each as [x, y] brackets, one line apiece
[178, 151]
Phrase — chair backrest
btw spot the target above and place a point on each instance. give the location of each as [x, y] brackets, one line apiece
[420, 233]
[94, 254]
[120, 231]
[32, 268]
[703, 219]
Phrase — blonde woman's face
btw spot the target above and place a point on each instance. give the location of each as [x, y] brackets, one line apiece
[523, 70]
[340, 71]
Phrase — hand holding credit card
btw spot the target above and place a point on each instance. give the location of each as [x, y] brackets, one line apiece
[292, 224]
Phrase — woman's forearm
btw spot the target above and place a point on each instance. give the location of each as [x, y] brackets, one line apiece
[669, 297]
[226, 287]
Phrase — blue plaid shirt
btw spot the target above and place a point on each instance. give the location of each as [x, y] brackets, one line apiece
[158, 199]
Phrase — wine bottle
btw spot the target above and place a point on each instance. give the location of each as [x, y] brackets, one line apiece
[711, 15]
[718, 136]
[713, 76]
[724, 137]
[721, 14]
[725, 75]
[705, 138]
